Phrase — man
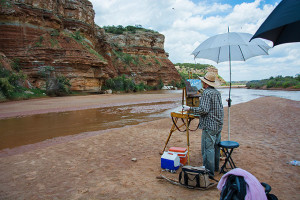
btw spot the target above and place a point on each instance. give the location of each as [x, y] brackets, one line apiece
[211, 122]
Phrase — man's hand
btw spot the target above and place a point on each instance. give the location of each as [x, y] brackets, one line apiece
[185, 108]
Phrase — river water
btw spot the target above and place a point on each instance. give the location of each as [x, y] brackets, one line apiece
[21, 131]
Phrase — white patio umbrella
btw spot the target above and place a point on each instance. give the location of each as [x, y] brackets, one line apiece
[231, 46]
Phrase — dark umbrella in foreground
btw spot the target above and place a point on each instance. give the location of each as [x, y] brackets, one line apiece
[282, 25]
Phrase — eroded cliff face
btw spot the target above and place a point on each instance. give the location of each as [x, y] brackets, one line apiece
[142, 56]
[62, 34]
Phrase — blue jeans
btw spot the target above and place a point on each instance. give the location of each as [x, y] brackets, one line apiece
[210, 149]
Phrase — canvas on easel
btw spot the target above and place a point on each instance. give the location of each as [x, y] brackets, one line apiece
[193, 88]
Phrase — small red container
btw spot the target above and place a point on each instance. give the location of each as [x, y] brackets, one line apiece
[181, 152]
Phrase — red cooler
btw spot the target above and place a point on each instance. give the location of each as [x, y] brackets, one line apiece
[181, 152]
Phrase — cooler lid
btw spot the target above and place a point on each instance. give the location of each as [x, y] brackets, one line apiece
[178, 149]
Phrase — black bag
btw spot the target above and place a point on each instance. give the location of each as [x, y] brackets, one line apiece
[267, 190]
[195, 177]
[234, 188]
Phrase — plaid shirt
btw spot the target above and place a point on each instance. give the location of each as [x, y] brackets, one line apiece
[210, 110]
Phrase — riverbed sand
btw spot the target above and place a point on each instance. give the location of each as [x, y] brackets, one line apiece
[101, 166]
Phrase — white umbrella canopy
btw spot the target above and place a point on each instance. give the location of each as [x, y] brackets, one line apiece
[218, 48]
[231, 46]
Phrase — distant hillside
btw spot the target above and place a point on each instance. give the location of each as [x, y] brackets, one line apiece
[197, 70]
[236, 83]
[278, 82]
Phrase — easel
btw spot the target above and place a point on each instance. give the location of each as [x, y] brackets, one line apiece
[185, 116]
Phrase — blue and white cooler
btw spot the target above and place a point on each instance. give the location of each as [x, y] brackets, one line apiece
[170, 161]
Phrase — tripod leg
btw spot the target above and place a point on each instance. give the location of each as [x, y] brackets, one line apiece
[188, 139]
[173, 128]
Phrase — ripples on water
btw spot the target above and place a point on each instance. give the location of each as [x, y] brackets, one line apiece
[36, 128]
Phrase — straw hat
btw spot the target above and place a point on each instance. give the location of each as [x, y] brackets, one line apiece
[210, 79]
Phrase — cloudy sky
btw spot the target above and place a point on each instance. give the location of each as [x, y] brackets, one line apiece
[187, 23]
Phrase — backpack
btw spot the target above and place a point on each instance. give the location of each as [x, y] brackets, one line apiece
[234, 188]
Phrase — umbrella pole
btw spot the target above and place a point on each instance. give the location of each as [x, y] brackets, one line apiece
[229, 100]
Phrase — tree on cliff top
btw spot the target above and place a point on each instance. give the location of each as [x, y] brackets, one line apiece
[120, 29]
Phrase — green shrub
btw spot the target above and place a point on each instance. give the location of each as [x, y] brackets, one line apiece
[180, 84]
[140, 87]
[77, 36]
[63, 85]
[173, 83]
[160, 85]
[55, 33]
[5, 4]
[2, 96]
[16, 65]
[136, 60]
[57, 86]
[45, 71]
[271, 83]
[157, 62]
[6, 87]
[126, 58]
[297, 77]
[297, 86]
[286, 84]
[121, 83]
[9, 82]
[129, 85]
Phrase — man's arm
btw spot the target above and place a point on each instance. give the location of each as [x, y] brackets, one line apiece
[204, 105]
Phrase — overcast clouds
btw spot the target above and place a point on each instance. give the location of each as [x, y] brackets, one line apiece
[187, 23]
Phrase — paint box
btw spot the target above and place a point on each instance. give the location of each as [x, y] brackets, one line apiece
[181, 152]
[170, 161]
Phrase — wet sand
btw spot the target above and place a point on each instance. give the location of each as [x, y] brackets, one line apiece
[100, 166]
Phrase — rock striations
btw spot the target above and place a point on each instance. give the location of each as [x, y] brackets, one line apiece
[62, 34]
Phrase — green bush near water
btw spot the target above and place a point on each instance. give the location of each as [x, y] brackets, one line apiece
[56, 85]
[9, 82]
[276, 82]
[10, 87]
[121, 83]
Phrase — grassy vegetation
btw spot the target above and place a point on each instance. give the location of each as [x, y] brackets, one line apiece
[80, 39]
[12, 84]
[193, 66]
[5, 4]
[126, 58]
[197, 69]
[120, 29]
[56, 85]
[121, 83]
[11, 87]
[39, 43]
[276, 82]
[236, 83]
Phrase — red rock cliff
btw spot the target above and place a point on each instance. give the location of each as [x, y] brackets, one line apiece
[62, 34]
